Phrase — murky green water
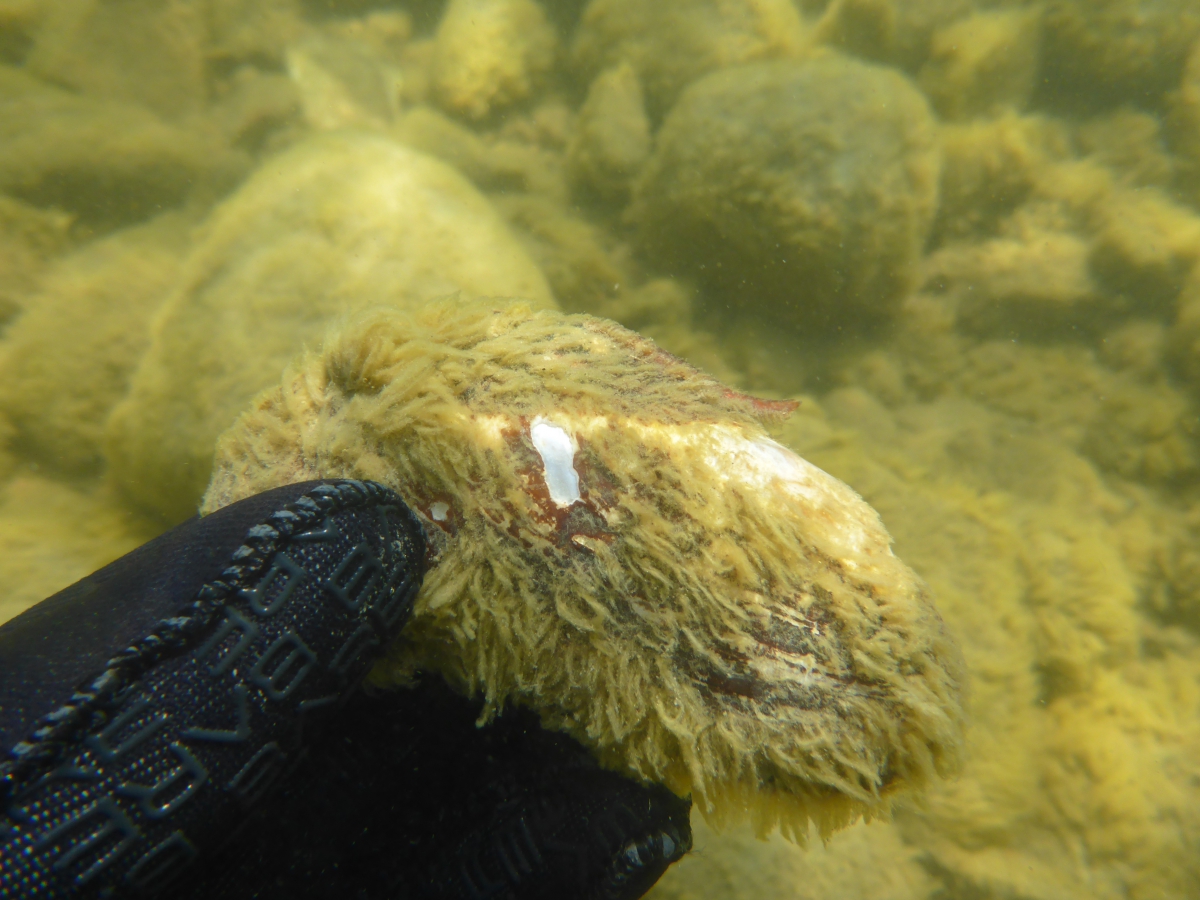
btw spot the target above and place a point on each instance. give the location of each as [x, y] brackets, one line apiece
[964, 234]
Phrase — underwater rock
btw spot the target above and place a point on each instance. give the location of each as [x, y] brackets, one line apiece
[342, 84]
[1145, 245]
[352, 73]
[1146, 431]
[1183, 122]
[110, 162]
[589, 272]
[619, 546]
[67, 361]
[804, 188]
[1177, 598]
[1106, 52]
[386, 31]
[612, 134]
[1027, 286]
[1183, 339]
[257, 110]
[430, 131]
[144, 52]
[865, 862]
[1123, 765]
[990, 167]
[495, 163]
[338, 223]
[1138, 346]
[583, 267]
[1124, 420]
[896, 32]
[1132, 144]
[983, 63]
[29, 237]
[53, 535]
[672, 44]
[657, 303]
[488, 54]
[254, 32]
[18, 23]
[1139, 428]
[532, 144]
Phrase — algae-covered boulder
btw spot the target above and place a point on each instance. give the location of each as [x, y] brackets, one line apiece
[1185, 120]
[490, 53]
[670, 45]
[1184, 337]
[990, 167]
[1107, 52]
[896, 32]
[53, 534]
[620, 546]
[106, 160]
[1023, 285]
[612, 134]
[170, 57]
[498, 164]
[254, 30]
[866, 862]
[1146, 244]
[1135, 145]
[143, 51]
[341, 83]
[805, 187]
[1126, 423]
[982, 63]
[18, 22]
[29, 237]
[337, 223]
[67, 361]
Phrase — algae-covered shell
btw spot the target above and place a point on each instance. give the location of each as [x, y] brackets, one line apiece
[622, 547]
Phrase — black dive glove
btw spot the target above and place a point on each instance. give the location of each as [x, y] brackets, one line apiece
[188, 722]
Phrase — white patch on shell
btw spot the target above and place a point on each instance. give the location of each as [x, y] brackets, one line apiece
[557, 451]
[438, 511]
[734, 457]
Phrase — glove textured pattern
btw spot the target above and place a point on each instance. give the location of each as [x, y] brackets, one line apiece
[154, 757]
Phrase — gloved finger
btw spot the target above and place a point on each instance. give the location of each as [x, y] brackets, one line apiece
[151, 706]
[406, 797]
